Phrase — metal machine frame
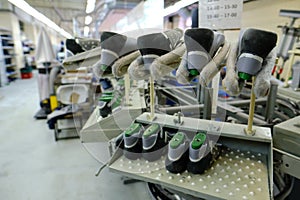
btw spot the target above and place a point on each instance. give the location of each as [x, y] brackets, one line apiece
[246, 162]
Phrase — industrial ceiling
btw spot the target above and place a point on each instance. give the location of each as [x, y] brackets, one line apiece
[64, 12]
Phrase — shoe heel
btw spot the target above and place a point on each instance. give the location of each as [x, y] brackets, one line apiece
[153, 145]
[200, 156]
[133, 141]
[178, 153]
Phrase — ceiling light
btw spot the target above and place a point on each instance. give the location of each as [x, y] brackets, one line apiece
[86, 31]
[23, 5]
[180, 4]
[90, 6]
[88, 20]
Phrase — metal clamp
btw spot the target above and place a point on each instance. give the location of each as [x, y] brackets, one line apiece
[178, 120]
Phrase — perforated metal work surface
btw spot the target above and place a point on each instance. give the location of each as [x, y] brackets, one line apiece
[235, 175]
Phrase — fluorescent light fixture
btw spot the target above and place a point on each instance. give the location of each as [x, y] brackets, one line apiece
[88, 20]
[86, 31]
[180, 4]
[90, 6]
[23, 5]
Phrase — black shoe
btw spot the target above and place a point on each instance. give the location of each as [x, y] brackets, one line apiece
[113, 46]
[201, 155]
[254, 47]
[154, 145]
[104, 106]
[132, 137]
[73, 48]
[152, 46]
[79, 45]
[178, 153]
[201, 46]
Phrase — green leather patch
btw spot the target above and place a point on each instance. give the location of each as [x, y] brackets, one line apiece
[198, 140]
[154, 128]
[133, 128]
[177, 139]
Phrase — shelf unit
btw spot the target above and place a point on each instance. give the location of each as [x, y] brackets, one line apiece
[8, 67]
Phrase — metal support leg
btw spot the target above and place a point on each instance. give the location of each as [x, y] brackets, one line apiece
[207, 102]
[271, 102]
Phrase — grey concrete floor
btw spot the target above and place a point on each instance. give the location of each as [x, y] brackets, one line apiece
[33, 166]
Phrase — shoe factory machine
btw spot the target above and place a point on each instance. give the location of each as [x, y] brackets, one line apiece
[157, 121]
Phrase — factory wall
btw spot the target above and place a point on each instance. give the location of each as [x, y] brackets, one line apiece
[264, 14]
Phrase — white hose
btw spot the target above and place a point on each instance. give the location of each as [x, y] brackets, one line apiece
[214, 66]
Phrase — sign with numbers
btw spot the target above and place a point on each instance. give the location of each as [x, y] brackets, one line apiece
[220, 14]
